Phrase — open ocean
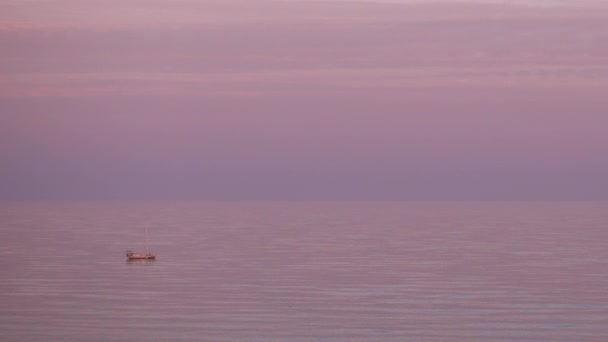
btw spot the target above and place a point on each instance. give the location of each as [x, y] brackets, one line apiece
[317, 271]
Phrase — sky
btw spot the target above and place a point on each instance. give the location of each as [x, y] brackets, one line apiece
[303, 100]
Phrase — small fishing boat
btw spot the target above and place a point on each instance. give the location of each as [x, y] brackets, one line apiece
[141, 255]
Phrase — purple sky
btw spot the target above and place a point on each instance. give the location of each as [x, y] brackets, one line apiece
[272, 100]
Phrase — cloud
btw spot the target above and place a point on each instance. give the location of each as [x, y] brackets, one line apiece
[154, 14]
[305, 82]
[268, 48]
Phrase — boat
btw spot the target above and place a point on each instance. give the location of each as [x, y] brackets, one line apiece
[141, 255]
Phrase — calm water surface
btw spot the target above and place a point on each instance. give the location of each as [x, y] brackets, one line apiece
[305, 272]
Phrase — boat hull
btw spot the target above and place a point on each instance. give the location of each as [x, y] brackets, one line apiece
[142, 257]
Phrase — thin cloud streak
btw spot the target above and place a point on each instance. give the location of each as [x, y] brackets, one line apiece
[304, 81]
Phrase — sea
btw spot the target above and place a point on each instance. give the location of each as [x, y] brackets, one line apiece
[304, 271]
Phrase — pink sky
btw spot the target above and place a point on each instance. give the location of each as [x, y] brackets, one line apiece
[267, 99]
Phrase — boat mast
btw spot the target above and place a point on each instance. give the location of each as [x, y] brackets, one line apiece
[146, 238]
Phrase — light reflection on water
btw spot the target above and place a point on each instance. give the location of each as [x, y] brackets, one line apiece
[305, 271]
